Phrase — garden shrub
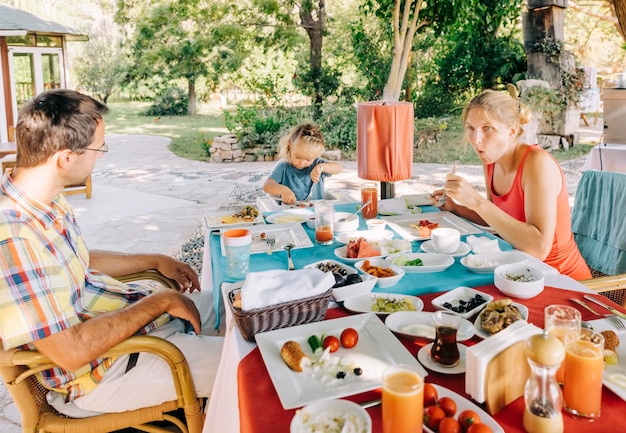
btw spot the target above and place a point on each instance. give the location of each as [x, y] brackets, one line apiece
[171, 102]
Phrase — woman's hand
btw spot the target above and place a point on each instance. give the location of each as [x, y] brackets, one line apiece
[461, 192]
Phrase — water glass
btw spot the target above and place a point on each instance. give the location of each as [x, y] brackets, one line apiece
[237, 244]
[369, 192]
[403, 399]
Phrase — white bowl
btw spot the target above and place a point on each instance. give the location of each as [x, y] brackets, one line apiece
[351, 290]
[455, 296]
[376, 224]
[431, 262]
[382, 281]
[349, 225]
[518, 280]
[326, 410]
[310, 221]
[486, 263]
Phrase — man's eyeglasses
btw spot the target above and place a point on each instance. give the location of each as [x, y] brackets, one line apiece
[104, 148]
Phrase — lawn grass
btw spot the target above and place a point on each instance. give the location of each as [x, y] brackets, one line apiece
[190, 134]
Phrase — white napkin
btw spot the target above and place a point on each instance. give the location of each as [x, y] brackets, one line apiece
[479, 355]
[262, 289]
[483, 244]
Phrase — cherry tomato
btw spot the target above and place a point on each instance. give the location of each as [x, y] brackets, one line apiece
[479, 428]
[433, 416]
[448, 405]
[332, 342]
[430, 395]
[349, 338]
[449, 425]
[467, 418]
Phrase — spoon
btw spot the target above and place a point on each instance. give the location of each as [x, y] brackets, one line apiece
[289, 247]
[355, 212]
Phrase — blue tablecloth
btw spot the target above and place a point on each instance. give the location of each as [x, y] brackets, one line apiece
[412, 283]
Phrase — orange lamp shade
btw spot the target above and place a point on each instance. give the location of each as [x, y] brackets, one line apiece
[385, 131]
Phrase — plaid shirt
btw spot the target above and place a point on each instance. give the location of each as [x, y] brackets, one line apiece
[47, 286]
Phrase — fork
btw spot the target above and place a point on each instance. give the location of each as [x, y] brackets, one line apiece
[616, 321]
[442, 199]
[270, 240]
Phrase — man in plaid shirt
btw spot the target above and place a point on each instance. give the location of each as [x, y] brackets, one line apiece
[58, 297]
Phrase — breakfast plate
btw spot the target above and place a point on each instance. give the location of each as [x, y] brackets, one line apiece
[480, 332]
[464, 404]
[368, 235]
[385, 246]
[614, 376]
[377, 348]
[486, 263]
[228, 219]
[430, 262]
[423, 357]
[364, 303]
[463, 249]
[283, 234]
[401, 224]
[418, 325]
[289, 216]
[405, 205]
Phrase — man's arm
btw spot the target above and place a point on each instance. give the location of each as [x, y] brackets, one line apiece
[116, 264]
[82, 343]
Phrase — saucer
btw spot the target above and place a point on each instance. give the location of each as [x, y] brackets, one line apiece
[463, 249]
[423, 357]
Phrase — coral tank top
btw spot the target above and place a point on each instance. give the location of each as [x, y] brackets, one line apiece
[564, 255]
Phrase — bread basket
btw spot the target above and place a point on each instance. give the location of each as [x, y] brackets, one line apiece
[298, 312]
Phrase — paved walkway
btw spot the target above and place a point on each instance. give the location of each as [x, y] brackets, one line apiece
[146, 199]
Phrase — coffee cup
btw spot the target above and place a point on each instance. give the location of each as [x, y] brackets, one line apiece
[445, 240]
[237, 244]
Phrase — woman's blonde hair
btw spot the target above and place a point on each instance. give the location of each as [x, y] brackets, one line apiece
[305, 134]
[500, 107]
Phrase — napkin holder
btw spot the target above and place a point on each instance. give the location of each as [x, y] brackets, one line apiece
[505, 377]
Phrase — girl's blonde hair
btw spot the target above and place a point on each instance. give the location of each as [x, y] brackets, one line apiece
[500, 107]
[305, 134]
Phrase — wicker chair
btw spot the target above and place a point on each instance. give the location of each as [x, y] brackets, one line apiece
[611, 286]
[18, 367]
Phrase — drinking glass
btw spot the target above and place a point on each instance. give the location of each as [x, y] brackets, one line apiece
[369, 192]
[324, 223]
[445, 351]
[558, 320]
[584, 363]
[237, 244]
[403, 399]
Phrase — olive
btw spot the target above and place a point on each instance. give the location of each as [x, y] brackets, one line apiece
[340, 281]
[353, 279]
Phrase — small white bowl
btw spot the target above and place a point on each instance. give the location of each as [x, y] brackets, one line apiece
[376, 224]
[349, 290]
[518, 280]
[349, 225]
[336, 408]
[310, 221]
[382, 281]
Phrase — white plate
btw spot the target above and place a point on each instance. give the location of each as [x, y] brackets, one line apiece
[363, 303]
[369, 235]
[432, 262]
[419, 326]
[401, 223]
[289, 216]
[341, 252]
[424, 357]
[283, 233]
[332, 411]
[620, 367]
[464, 404]
[214, 220]
[496, 258]
[461, 293]
[405, 205]
[463, 249]
[376, 350]
[479, 331]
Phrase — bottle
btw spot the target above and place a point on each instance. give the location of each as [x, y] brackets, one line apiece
[542, 395]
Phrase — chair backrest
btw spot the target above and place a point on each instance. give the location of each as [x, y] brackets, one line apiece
[598, 219]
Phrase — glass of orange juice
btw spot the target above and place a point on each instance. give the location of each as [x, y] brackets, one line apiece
[324, 223]
[369, 192]
[403, 399]
[584, 362]
[559, 319]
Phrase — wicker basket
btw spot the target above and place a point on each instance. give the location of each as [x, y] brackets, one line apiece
[298, 312]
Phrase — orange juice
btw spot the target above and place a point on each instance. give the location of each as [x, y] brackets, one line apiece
[582, 392]
[369, 192]
[324, 235]
[403, 400]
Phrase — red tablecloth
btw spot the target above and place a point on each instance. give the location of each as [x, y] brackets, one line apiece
[261, 411]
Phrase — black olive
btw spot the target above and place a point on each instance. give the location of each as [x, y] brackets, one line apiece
[340, 281]
[341, 374]
[358, 371]
[353, 279]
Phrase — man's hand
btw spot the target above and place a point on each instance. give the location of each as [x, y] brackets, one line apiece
[179, 271]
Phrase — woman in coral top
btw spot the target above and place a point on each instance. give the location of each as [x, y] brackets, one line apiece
[527, 201]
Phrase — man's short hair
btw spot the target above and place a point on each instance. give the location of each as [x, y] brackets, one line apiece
[55, 120]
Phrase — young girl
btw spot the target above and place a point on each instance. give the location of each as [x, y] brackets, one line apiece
[300, 173]
[527, 202]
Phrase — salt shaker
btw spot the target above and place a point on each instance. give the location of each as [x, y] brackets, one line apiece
[542, 394]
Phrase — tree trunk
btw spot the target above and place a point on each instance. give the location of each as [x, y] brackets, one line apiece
[620, 12]
[192, 98]
[315, 30]
[403, 33]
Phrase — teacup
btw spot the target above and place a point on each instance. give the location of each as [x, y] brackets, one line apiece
[445, 240]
